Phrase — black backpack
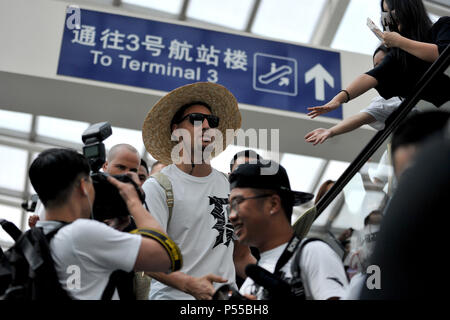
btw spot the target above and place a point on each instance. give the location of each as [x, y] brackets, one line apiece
[27, 270]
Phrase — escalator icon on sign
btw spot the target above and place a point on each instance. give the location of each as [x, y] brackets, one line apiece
[275, 74]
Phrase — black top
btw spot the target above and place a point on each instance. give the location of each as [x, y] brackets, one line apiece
[394, 80]
[413, 239]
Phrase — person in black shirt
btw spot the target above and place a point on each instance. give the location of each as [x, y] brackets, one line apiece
[415, 43]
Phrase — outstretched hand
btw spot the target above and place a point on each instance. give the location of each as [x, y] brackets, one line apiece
[317, 111]
[202, 288]
[318, 136]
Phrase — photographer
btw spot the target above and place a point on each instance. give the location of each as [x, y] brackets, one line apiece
[61, 179]
[121, 159]
[261, 209]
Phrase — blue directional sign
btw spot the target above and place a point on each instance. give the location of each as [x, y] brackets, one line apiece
[163, 56]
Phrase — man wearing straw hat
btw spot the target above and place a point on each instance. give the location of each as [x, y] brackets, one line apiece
[185, 129]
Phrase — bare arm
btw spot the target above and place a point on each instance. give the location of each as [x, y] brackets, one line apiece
[349, 124]
[151, 255]
[360, 85]
[200, 288]
[242, 257]
[426, 51]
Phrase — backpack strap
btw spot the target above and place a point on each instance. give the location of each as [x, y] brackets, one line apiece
[295, 267]
[165, 183]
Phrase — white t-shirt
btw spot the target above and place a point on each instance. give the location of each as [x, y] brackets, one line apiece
[199, 226]
[354, 288]
[381, 109]
[322, 272]
[93, 250]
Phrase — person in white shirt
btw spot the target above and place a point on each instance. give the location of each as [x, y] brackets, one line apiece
[196, 115]
[261, 209]
[91, 249]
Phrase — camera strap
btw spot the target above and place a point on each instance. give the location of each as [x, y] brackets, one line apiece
[287, 254]
[172, 249]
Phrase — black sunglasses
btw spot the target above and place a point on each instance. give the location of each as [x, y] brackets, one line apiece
[213, 120]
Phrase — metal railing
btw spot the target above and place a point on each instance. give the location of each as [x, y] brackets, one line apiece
[440, 66]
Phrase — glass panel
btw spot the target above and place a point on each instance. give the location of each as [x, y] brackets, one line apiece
[30, 187]
[13, 215]
[15, 120]
[230, 13]
[302, 170]
[61, 129]
[12, 168]
[293, 20]
[433, 17]
[170, 6]
[333, 171]
[122, 135]
[353, 33]
[222, 161]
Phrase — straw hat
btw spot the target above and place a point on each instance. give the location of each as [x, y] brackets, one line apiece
[156, 131]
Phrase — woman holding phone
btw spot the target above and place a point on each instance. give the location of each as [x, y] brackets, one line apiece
[414, 43]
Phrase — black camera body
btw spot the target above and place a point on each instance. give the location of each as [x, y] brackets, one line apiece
[94, 149]
[108, 202]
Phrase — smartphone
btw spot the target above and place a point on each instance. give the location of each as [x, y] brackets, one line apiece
[376, 31]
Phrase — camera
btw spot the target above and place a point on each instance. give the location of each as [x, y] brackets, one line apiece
[108, 202]
[268, 286]
[94, 149]
[227, 292]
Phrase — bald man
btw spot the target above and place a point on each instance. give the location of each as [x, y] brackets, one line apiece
[121, 159]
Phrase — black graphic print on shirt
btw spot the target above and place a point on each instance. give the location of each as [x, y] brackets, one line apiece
[222, 225]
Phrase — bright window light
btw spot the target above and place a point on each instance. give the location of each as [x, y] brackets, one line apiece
[353, 33]
[61, 129]
[170, 6]
[302, 170]
[122, 135]
[13, 168]
[15, 120]
[293, 20]
[230, 13]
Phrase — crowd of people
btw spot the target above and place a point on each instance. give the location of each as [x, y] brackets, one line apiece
[199, 230]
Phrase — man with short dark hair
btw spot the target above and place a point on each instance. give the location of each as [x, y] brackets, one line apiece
[243, 156]
[143, 173]
[62, 182]
[261, 208]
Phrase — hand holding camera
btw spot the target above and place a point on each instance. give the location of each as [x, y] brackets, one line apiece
[130, 192]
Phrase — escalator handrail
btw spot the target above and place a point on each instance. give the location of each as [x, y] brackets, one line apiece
[437, 68]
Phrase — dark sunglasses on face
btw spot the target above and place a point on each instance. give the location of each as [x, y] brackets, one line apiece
[213, 120]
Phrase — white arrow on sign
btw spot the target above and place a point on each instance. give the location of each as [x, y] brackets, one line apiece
[320, 75]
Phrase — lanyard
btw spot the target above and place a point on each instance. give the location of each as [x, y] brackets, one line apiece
[287, 254]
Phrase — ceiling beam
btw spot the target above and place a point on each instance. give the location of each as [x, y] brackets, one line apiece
[252, 16]
[437, 7]
[328, 23]
[183, 12]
